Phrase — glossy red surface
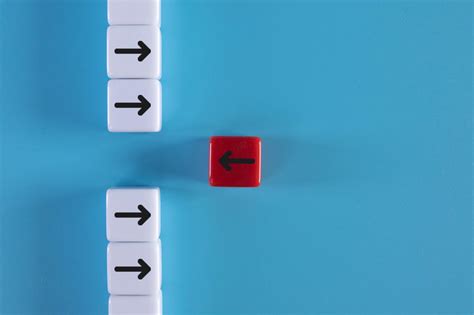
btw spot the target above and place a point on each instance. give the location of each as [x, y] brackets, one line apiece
[234, 161]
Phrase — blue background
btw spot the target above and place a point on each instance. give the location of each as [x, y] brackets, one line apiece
[365, 112]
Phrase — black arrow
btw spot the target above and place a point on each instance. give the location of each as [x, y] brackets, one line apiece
[226, 161]
[144, 269]
[144, 51]
[144, 214]
[144, 105]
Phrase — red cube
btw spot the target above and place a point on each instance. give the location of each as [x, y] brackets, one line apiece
[235, 161]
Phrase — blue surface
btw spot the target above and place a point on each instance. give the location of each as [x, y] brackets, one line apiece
[365, 111]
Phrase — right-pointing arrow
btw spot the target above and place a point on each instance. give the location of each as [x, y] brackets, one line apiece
[144, 269]
[144, 214]
[143, 105]
[143, 51]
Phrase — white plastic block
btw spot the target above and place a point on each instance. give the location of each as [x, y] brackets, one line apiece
[134, 106]
[134, 52]
[134, 12]
[134, 268]
[136, 305]
[133, 215]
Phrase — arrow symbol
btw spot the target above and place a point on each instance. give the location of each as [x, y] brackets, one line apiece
[143, 269]
[144, 105]
[143, 51]
[144, 214]
[226, 161]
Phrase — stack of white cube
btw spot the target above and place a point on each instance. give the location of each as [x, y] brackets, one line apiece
[134, 251]
[134, 66]
[134, 105]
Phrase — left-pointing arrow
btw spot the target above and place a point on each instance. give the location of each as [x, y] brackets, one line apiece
[226, 161]
[143, 269]
[143, 105]
[142, 52]
[144, 214]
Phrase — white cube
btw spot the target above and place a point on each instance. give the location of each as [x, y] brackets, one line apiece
[134, 268]
[134, 12]
[134, 105]
[134, 52]
[136, 305]
[133, 214]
